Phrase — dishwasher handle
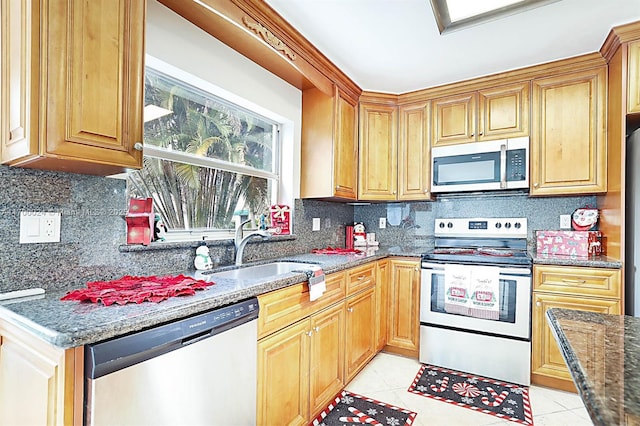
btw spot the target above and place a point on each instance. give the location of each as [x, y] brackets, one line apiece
[119, 353]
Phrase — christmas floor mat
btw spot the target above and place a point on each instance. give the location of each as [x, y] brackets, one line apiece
[349, 408]
[501, 399]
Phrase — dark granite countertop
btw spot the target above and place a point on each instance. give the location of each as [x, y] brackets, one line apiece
[593, 262]
[603, 355]
[68, 324]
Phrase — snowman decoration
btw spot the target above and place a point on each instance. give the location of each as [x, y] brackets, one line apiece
[203, 262]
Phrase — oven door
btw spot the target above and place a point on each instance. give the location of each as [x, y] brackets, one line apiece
[515, 304]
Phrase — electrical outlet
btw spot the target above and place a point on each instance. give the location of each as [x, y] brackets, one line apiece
[39, 227]
[382, 223]
[565, 221]
[316, 224]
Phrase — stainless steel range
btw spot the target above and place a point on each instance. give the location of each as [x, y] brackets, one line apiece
[475, 299]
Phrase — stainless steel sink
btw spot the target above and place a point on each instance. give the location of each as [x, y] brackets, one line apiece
[272, 269]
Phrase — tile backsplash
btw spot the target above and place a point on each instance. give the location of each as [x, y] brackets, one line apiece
[92, 244]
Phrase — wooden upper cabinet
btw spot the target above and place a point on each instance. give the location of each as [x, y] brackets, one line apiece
[414, 152]
[503, 112]
[568, 138]
[483, 115]
[394, 151]
[89, 88]
[378, 158]
[329, 152]
[454, 119]
[19, 59]
[633, 77]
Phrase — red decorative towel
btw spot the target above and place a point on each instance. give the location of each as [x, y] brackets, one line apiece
[331, 250]
[129, 289]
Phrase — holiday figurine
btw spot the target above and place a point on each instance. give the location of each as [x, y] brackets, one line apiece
[359, 234]
[159, 229]
[202, 262]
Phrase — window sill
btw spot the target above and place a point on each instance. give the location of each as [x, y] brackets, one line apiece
[171, 245]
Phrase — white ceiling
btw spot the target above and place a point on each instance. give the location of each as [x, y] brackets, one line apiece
[393, 46]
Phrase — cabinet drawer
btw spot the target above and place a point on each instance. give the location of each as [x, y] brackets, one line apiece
[282, 307]
[598, 282]
[361, 277]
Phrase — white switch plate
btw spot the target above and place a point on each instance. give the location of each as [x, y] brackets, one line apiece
[316, 224]
[382, 223]
[565, 221]
[39, 227]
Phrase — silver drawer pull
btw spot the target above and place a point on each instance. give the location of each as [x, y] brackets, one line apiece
[316, 329]
[361, 277]
[573, 281]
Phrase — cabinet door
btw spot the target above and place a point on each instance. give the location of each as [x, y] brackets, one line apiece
[454, 119]
[360, 334]
[547, 365]
[93, 93]
[19, 61]
[382, 303]
[326, 373]
[404, 311]
[35, 386]
[503, 112]
[283, 376]
[633, 77]
[414, 152]
[568, 144]
[378, 178]
[346, 148]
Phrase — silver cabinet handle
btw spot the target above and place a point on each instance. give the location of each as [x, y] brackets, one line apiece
[538, 304]
[138, 146]
[309, 333]
[535, 185]
[503, 166]
[349, 310]
[316, 329]
[565, 280]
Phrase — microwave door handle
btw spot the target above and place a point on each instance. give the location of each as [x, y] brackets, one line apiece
[503, 166]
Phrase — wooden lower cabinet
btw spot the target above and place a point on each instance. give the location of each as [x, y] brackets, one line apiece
[38, 381]
[403, 332]
[568, 288]
[326, 370]
[382, 308]
[360, 332]
[300, 368]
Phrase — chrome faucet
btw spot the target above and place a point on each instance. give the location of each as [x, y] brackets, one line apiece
[241, 241]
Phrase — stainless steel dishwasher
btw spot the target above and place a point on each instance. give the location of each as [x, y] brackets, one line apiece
[197, 371]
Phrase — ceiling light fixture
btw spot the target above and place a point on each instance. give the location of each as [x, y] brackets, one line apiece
[452, 15]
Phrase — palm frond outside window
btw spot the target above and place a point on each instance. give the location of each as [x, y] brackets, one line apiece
[206, 159]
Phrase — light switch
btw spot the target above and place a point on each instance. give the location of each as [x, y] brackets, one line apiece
[316, 224]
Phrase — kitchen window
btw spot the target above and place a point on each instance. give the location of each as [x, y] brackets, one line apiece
[208, 162]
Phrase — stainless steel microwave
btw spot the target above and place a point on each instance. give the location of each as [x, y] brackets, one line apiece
[482, 166]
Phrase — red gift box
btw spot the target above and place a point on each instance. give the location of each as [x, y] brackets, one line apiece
[140, 221]
[280, 219]
[569, 243]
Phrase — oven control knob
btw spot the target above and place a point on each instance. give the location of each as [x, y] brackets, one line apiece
[517, 225]
[449, 225]
[507, 225]
[441, 225]
[498, 225]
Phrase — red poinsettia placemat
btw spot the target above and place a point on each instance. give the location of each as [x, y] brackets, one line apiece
[130, 289]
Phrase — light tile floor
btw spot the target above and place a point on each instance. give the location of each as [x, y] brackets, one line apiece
[387, 377]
